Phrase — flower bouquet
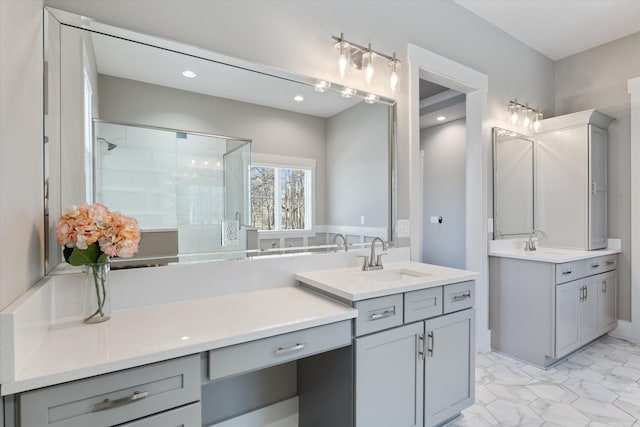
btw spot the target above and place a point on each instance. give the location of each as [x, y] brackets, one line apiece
[90, 235]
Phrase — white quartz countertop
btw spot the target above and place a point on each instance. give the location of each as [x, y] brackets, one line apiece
[353, 284]
[553, 255]
[150, 334]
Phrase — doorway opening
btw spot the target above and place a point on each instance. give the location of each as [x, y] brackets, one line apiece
[426, 65]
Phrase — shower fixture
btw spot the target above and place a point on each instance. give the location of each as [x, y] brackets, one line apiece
[110, 145]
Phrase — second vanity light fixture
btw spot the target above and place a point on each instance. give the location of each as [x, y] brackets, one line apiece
[525, 116]
[364, 58]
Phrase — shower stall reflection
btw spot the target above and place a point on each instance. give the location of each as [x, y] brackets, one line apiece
[187, 190]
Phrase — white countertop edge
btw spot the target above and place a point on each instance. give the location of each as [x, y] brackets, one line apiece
[540, 256]
[21, 384]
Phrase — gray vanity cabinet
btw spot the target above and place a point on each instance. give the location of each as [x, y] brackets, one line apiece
[541, 311]
[449, 371]
[585, 309]
[388, 373]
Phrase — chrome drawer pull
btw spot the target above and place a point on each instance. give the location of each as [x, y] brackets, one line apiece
[595, 265]
[283, 350]
[465, 295]
[386, 313]
[106, 404]
[564, 273]
[610, 262]
[604, 286]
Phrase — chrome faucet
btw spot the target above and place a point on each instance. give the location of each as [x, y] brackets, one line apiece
[530, 245]
[368, 261]
[344, 241]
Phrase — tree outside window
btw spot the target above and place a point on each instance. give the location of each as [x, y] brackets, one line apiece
[280, 198]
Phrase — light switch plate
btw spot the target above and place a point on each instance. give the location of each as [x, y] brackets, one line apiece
[403, 228]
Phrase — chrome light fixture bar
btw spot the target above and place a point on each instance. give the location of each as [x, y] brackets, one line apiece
[363, 58]
[525, 116]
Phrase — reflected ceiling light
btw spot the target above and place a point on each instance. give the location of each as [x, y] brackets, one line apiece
[441, 118]
[189, 73]
[371, 98]
[348, 92]
[524, 116]
[363, 58]
[298, 98]
[322, 86]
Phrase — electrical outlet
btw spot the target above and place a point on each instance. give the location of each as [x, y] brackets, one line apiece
[362, 220]
[403, 228]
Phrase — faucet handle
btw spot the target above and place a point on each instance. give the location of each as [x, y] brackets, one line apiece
[365, 264]
[379, 259]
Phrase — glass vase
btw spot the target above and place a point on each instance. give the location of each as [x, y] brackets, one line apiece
[97, 293]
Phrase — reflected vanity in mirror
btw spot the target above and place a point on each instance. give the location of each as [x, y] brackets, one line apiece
[513, 159]
[216, 157]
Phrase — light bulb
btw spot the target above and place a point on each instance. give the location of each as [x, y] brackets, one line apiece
[514, 113]
[343, 48]
[526, 121]
[367, 59]
[536, 123]
[394, 64]
[342, 64]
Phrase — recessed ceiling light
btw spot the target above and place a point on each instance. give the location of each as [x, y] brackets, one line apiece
[189, 73]
[441, 118]
[298, 98]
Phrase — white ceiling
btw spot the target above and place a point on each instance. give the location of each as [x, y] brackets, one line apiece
[560, 28]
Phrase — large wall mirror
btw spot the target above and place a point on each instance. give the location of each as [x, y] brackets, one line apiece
[513, 171]
[215, 157]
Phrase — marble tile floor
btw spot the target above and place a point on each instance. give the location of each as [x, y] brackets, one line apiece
[598, 386]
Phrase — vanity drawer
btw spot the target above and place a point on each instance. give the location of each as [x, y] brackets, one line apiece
[459, 296]
[249, 356]
[422, 304]
[602, 264]
[185, 416]
[376, 314]
[565, 272]
[115, 398]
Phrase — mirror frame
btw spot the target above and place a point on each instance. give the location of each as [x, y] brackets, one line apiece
[69, 19]
[495, 132]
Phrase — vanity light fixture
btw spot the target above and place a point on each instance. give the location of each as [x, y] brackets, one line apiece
[298, 98]
[189, 73]
[360, 57]
[441, 118]
[524, 116]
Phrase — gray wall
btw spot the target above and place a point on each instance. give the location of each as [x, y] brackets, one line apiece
[271, 130]
[21, 147]
[358, 165]
[443, 165]
[598, 79]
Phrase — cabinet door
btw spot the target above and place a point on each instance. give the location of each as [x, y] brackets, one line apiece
[607, 288]
[568, 302]
[389, 378]
[589, 310]
[597, 188]
[449, 366]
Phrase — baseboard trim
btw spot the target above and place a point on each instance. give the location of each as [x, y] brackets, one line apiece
[624, 331]
[281, 414]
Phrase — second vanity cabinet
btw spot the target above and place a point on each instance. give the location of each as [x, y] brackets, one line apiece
[542, 311]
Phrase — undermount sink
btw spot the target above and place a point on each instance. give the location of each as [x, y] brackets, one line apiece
[395, 275]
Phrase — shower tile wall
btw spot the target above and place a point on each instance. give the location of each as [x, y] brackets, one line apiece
[164, 182]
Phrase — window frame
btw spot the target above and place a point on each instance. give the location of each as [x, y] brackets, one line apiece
[287, 162]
